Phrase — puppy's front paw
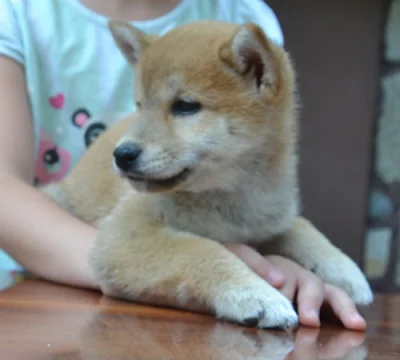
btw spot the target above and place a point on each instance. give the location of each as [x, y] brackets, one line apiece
[258, 306]
[346, 275]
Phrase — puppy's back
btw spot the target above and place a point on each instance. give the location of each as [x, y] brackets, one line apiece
[92, 188]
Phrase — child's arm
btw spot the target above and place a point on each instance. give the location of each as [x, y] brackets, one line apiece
[38, 234]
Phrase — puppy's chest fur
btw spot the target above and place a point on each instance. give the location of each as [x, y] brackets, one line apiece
[251, 215]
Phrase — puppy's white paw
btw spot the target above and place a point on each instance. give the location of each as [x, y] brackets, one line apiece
[258, 306]
[362, 294]
[346, 275]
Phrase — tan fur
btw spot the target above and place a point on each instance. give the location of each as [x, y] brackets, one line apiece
[161, 243]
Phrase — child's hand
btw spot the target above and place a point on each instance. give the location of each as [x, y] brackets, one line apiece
[303, 287]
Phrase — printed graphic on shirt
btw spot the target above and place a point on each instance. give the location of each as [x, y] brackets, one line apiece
[81, 118]
[57, 101]
[93, 131]
[52, 163]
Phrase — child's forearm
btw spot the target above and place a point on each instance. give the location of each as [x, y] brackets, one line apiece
[42, 237]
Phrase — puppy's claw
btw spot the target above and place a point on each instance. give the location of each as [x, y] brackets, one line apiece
[273, 310]
[254, 321]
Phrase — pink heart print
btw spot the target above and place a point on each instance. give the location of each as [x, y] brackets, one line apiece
[57, 101]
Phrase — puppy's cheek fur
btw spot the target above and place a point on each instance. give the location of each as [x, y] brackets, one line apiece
[212, 141]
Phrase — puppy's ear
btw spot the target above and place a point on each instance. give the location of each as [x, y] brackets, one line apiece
[131, 41]
[251, 54]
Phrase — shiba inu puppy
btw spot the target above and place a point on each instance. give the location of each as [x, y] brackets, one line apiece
[208, 158]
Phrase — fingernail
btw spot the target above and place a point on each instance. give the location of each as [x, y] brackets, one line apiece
[357, 318]
[276, 276]
[312, 314]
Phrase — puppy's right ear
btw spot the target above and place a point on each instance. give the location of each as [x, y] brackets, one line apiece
[251, 55]
[131, 41]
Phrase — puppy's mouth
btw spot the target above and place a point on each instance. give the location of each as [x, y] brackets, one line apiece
[157, 184]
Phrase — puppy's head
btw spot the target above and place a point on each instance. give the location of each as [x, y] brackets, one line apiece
[210, 97]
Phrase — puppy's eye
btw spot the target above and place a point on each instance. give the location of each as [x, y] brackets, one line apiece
[185, 108]
[138, 105]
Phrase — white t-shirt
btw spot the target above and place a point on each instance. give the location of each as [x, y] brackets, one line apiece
[78, 81]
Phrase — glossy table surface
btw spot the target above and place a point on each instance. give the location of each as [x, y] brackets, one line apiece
[42, 321]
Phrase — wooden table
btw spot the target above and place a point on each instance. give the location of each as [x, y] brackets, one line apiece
[41, 321]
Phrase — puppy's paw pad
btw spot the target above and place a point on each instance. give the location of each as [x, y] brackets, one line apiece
[253, 321]
[257, 307]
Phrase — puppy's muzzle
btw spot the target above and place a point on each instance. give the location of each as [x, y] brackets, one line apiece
[126, 156]
[126, 159]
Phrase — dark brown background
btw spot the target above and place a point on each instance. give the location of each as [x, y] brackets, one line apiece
[336, 48]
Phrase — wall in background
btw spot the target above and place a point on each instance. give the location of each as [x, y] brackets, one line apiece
[336, 46]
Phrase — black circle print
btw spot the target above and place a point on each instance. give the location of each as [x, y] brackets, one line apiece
[80, 117]
[50, 157]
[93, 131]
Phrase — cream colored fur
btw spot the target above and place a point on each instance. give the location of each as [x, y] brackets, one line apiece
[161, 243]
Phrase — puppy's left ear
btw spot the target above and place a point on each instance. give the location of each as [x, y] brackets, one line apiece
[131, 41]
[253, 56]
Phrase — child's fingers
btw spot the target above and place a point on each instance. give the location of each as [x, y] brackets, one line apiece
[344, 308]
[258, 263]
[311, 295]
[289, 288]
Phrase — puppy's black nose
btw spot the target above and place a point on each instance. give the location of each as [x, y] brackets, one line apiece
[125, 155]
